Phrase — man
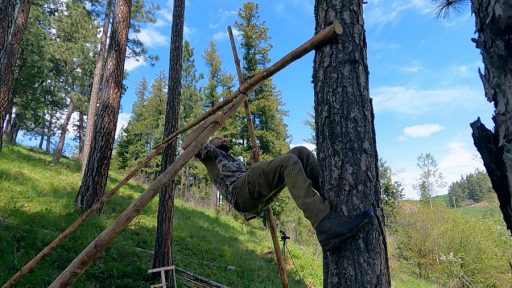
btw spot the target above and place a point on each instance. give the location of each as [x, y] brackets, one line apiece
[250, 190]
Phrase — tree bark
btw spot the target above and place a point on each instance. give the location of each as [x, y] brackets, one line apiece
[93, 100]
[49, 134]
[63, 130]
[493, 21]
[96, 172]
[80, 131]
[9, 55]
[346, 148]
[163, 241]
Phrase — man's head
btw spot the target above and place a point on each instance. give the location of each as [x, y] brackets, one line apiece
[221, 144]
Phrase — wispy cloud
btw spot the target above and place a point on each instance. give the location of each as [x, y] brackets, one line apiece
[133, 63]
[460, 160]
[410, 101]
[151, 37]
[413, 67]
[122, 121]
[379, 12]
[221, 17]
[223, 35]
[423, 130]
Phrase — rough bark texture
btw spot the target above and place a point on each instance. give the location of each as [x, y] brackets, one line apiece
[10, 51]
[494, 28]
[6, 23]
[163, 241]
[95, 90]
[96, 171]
[49, 134]
[346, 146]
[81, 133]
[63, 129]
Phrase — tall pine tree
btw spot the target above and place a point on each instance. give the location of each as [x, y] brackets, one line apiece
[265, 101]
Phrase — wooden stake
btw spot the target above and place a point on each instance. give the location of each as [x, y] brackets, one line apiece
[98, 245]
[254, 142]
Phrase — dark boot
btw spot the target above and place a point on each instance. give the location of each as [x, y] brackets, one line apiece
[335, 228]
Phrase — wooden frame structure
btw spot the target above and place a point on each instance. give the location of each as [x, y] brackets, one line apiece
[230, 105]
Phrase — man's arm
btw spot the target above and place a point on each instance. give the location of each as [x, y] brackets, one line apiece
[196, 132]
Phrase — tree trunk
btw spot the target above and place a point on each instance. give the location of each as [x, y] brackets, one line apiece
[80, 129]
[93, 102]
[8, 117]
[346, 148]
[49, 134]
[9, 54]
[494, 28]
[96, 171]
[163, 241]
[63, 130]
[41, 140]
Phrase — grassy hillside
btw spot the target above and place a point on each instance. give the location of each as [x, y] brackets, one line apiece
[36, 203]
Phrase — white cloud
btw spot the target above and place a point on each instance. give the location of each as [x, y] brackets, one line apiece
[460, 160]
[223, 35]
[132, 63]
[410, 101]
[222, 16]
[412, 68]
[379, 13]
[187, 32]
[423, 130]
[122, 121]
[151, 37]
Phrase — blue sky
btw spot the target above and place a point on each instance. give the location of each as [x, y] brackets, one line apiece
[423, 74]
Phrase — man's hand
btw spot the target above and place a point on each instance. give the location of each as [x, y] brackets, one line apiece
[255, 156]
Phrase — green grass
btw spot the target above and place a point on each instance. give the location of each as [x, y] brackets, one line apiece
[36, 204]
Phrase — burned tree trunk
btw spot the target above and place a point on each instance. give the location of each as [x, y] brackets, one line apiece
[96, 172]
[494, 28]
[346, 148]
[163, 241]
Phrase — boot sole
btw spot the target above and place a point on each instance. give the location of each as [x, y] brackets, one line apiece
[332, 244]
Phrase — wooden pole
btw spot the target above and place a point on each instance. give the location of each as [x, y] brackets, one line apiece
[254, 142]
[106, 237]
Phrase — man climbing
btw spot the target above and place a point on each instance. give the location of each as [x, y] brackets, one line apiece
[250, 190]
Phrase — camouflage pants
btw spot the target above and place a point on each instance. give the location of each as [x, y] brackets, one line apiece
[298, 170]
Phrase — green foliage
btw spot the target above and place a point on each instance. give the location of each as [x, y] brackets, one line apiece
[472, 188]
[36, 204]
[391, 192]
[430, 180]
[453, 249]
[145, 128]
[265, 101]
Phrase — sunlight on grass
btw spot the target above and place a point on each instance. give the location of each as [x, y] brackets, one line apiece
[36, 204]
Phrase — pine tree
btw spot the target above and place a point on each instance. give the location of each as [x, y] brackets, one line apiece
[265, 101]
[163, 241]
[96, 172]
[9, 53]
[346, 146]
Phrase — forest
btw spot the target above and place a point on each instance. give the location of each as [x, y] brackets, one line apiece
[68, 76]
